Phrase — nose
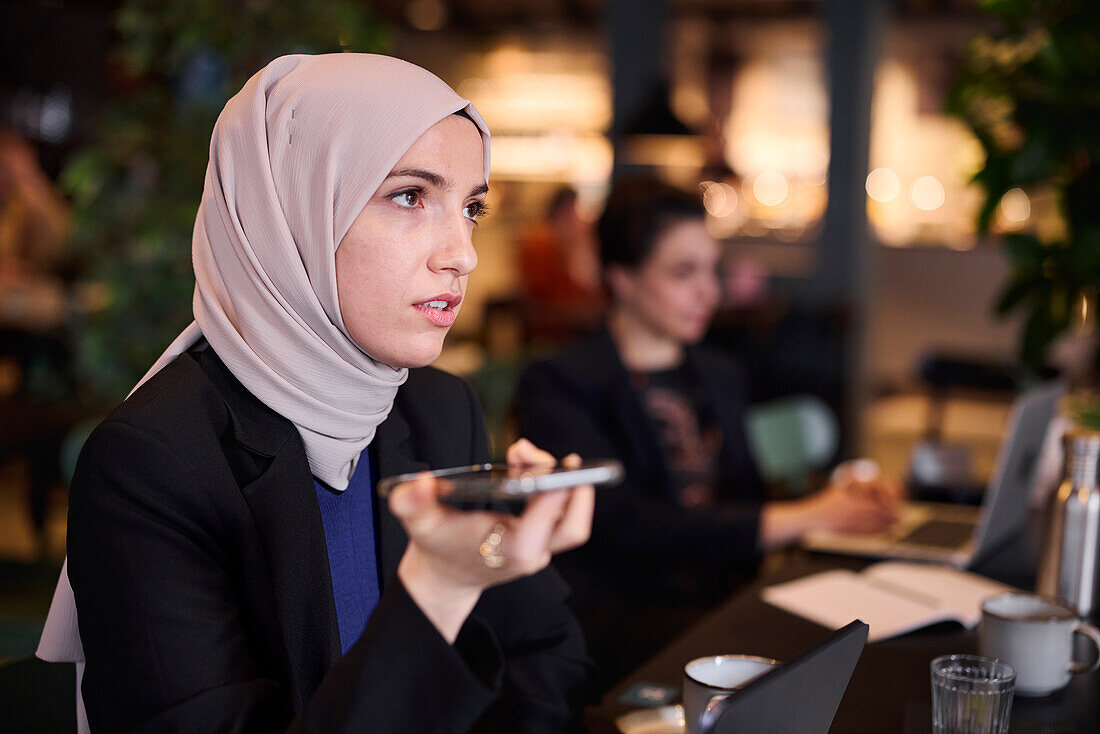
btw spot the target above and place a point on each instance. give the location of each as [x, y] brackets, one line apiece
[454, 250]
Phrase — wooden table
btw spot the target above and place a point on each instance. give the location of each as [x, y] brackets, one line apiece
[890, 689]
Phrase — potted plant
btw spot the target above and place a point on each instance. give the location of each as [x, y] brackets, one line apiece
[136, 189]
[1031, 95]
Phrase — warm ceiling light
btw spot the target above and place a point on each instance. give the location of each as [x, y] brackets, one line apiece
[426, 15]
[719, 199]
[883, 185]
[770, 188]
[927, 193]
[1015, 205]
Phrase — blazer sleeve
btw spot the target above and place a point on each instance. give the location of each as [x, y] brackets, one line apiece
[546, 669]
[166, 641]
[562, 416]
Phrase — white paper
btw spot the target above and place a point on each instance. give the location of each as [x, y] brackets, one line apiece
[892, 597]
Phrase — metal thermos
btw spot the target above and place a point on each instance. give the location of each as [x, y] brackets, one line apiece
[1068, 567]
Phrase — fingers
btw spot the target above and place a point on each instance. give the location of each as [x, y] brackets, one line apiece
[882, 493]
[575, 526]
[448, 540]
[893, 489]
[556, 521]
[525, 452]
[415, 503]
[533, 530]
[868, 514]
[854, 509]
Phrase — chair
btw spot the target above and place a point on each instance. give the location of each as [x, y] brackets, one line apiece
[791, 438]
[37, 697]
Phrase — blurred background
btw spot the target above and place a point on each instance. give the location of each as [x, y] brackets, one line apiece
[904, 190]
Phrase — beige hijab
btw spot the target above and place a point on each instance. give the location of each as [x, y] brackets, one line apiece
[294, 157]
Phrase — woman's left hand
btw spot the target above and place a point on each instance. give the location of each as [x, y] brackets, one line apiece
[444, 567]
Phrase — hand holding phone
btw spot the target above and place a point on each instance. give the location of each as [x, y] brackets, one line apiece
[445, 565]
[471, 487]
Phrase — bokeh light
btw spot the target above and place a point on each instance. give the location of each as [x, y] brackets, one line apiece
[1016, 206]
[927, 193]
[770, 188]
[883, 185]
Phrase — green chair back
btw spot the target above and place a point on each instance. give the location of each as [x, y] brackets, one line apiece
[792, 437]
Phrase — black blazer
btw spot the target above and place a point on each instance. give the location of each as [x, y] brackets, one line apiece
[198, 561]
[582, 400]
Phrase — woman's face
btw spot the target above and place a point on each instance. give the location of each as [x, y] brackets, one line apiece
[673, 293]
[401, 269]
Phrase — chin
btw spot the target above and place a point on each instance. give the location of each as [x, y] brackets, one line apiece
[417, 355]
[693, 337]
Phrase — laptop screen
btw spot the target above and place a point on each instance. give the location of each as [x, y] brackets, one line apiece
[800, 696]
[1005, 505]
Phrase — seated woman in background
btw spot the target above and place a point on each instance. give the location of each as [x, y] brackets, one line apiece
[690, 518]
[230, 563]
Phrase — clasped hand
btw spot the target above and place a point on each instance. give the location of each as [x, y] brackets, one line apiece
[857, 500]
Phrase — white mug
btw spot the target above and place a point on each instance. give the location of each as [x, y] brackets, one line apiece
[1035, 634]
[713, 678]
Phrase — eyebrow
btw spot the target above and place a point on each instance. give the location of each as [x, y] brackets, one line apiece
[434, 179]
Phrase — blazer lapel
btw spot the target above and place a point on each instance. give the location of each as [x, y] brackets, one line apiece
[284, 506]
[283, 503]
[391, 452]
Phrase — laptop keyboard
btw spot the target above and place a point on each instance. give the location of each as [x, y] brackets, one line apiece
[944, 533]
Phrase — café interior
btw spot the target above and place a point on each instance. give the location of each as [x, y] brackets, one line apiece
[872, 200]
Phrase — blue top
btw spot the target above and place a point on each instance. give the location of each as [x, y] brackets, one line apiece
[348, 519]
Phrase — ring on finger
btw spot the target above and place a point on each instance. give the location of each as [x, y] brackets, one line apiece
[490, 548]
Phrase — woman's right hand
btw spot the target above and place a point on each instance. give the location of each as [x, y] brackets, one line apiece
[855, 506]
[443, 569]
[850, 505]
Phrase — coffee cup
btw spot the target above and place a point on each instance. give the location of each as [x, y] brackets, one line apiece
[1035, 634]
[710, 679]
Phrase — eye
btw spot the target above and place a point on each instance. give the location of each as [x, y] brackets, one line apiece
[474, 210]
[410, 198]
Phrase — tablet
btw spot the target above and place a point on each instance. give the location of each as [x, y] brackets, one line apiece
[800, 696]
[491, 482]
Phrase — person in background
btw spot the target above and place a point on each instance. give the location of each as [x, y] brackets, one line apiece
[231, 566]
[36, 393]
[559, 273]
[690, 519]
[557, 256]
[35, 221]
[34, 218]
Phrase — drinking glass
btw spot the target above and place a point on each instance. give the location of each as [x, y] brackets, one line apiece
[971, 695]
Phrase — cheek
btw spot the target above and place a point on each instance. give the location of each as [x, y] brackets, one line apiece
[674, 295]
[368, 274]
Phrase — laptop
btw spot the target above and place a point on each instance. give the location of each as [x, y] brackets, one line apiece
[800, 696]
[961, 535]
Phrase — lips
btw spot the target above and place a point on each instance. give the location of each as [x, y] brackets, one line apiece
[440, 309]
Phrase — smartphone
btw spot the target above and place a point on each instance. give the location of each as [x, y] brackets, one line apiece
[482, 486]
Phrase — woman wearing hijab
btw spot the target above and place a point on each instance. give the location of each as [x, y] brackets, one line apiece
[232, 567]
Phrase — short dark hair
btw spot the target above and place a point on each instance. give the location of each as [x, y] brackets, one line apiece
[564, 198]
[639, 210]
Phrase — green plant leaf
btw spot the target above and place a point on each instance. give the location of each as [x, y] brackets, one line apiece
[1032, 163]
[1013, 294]
[1024, 248]
[136, 191]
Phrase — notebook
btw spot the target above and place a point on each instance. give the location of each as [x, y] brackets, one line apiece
[959, 535]
[800, 696]
[893, 597]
